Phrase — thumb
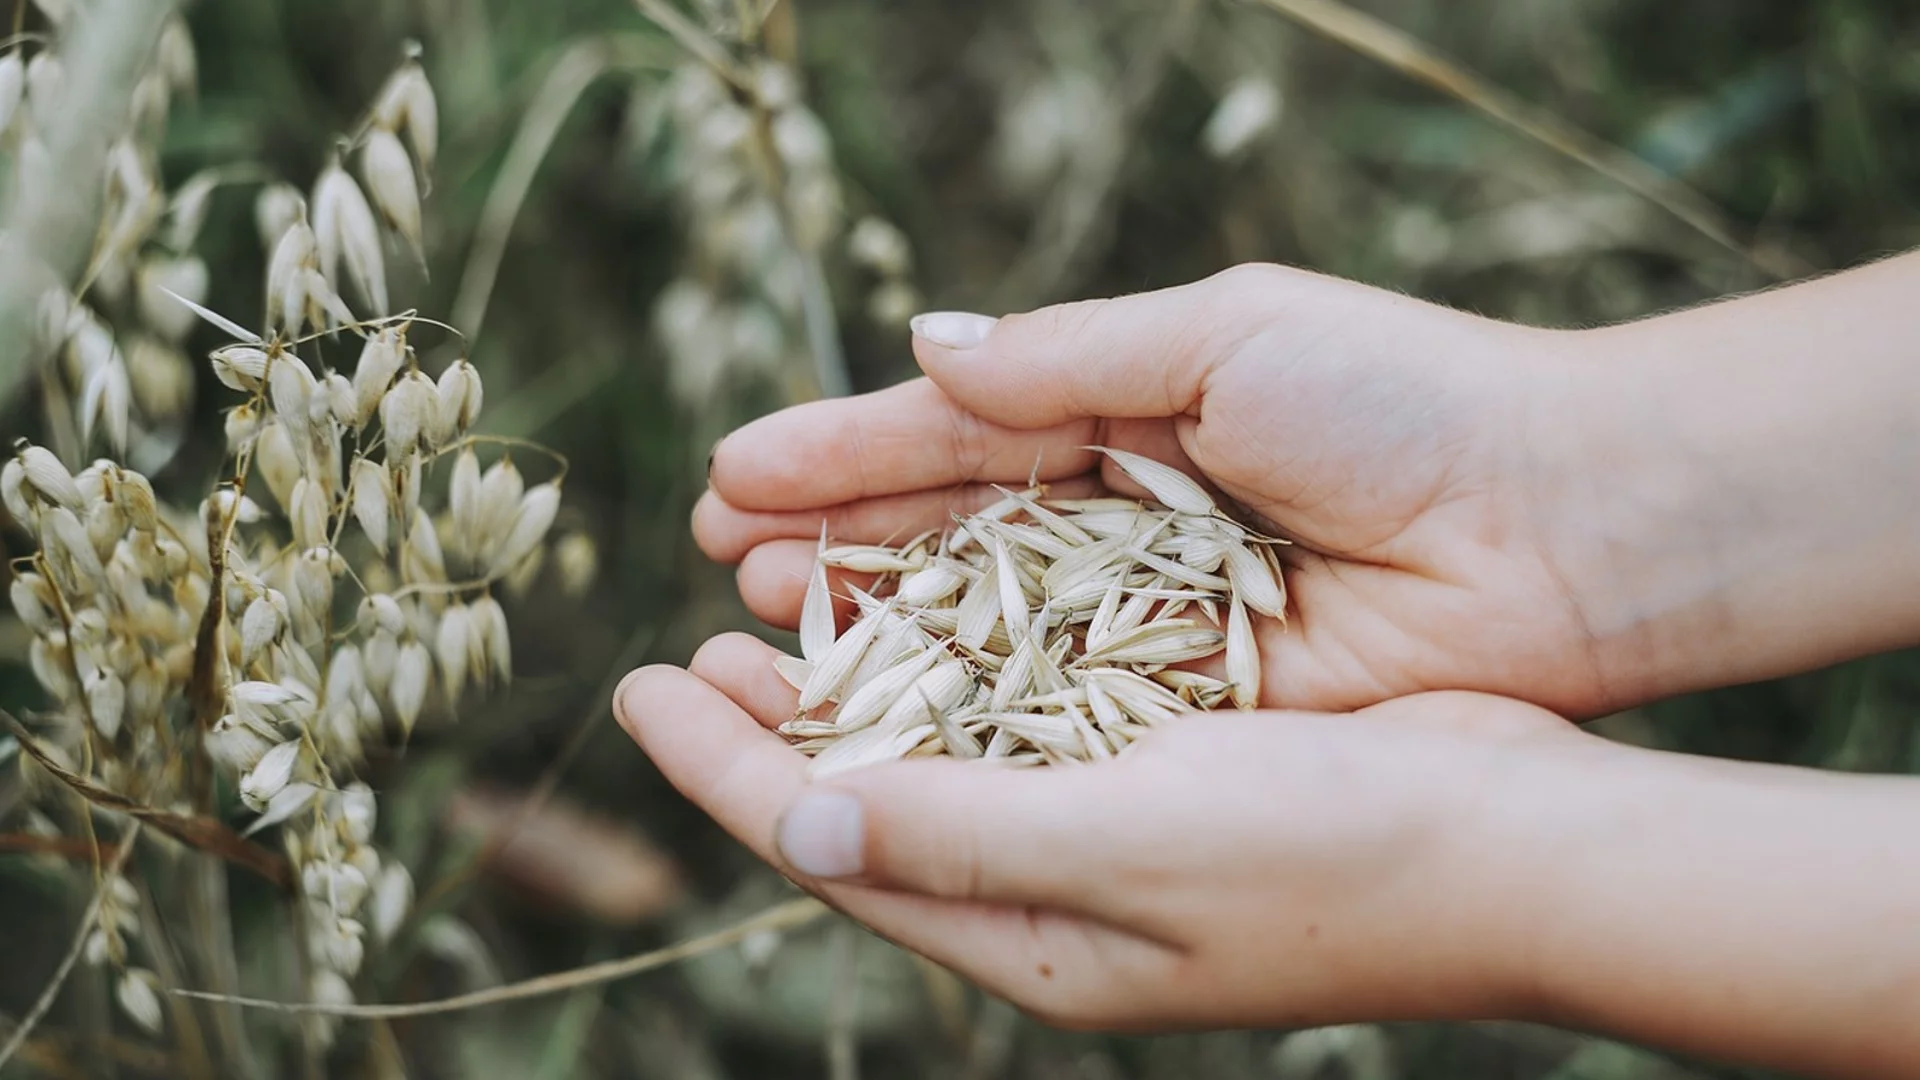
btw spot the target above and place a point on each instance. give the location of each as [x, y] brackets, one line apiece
[1141, 356]
[961, 831]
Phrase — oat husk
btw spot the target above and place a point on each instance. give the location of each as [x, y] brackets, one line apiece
[1037, 631]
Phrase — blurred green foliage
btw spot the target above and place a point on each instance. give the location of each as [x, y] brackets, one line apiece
[1794, 118]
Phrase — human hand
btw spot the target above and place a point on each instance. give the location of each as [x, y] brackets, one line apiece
[1582, 519]
[1417, 456]
[1442, 856]
[1253, 868]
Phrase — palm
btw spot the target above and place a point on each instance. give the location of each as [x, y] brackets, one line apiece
[1408, 485]
[1418, 563]
[1061, 913]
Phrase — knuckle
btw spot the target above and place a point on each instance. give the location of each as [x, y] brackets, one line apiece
[717, 652]
[716, 530]
[708, 652]
[944, 861]
[1057, 320]
[858, 439]
[1252, 279]
[959, 870]
[966, 441]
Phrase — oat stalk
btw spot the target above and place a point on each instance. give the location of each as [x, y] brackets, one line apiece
[581, 65]
[80, 934]
[784, 916]
[1382, 42]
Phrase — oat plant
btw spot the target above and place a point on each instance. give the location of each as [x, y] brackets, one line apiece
[335, 589]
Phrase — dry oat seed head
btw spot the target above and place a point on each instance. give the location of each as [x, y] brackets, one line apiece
[47, 478]
[538, 507]
[579, 563]
[184, 276]
[240, 367]
[450, 643]
[380, 360]
[488, 620]
[287, 802]
[33, 601]
[13, 80]
[13, 488]
[459, 396]
[391, 185]
[372, 501]
[106, 702]
[392, 898]
[270, 776]
[422, 117]
[346, 231]
[1169, 485]
[293, 254]
[275, 210]
[139, 1000]
[44, 76]
[405, 412]
[411, 674]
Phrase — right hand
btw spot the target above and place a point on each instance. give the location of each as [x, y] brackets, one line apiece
[1423, 460]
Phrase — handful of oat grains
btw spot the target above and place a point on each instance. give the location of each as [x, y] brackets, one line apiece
[1036, 631]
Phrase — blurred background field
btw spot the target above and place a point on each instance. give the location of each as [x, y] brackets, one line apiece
[988, 156]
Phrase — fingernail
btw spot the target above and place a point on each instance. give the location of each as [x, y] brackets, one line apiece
[954, 329]
[711, 454]
[626, 701]
[820, 835]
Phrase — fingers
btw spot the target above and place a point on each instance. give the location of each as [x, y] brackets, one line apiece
[906, 438]
[745, 777]
[1147, 355]
[726, 532]
[741, 667]
[711, 751]
[942, 828]
[773, 582]
[959, 830]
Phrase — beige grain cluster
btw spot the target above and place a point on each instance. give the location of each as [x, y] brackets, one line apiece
[755, 178]
[116, 369]
[1037, 630]
[339, 588]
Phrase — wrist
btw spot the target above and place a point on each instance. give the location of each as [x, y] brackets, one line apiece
[1729, 505]
[1755, 913]
[1510, 875]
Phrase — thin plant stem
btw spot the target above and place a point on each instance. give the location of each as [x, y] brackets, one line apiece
[783, 916]
[189, 1039]
[637, 646]
[578, 67]
[843, 1046]
[1388, 45]
[79, 945]
[696, 41]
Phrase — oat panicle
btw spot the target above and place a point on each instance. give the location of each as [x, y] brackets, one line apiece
[341, 588]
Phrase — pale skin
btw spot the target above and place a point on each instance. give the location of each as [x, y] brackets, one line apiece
[1498, 528]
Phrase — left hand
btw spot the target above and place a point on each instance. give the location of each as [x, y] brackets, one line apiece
[1243, 869]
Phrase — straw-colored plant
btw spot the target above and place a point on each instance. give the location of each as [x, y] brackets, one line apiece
[337, 587]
